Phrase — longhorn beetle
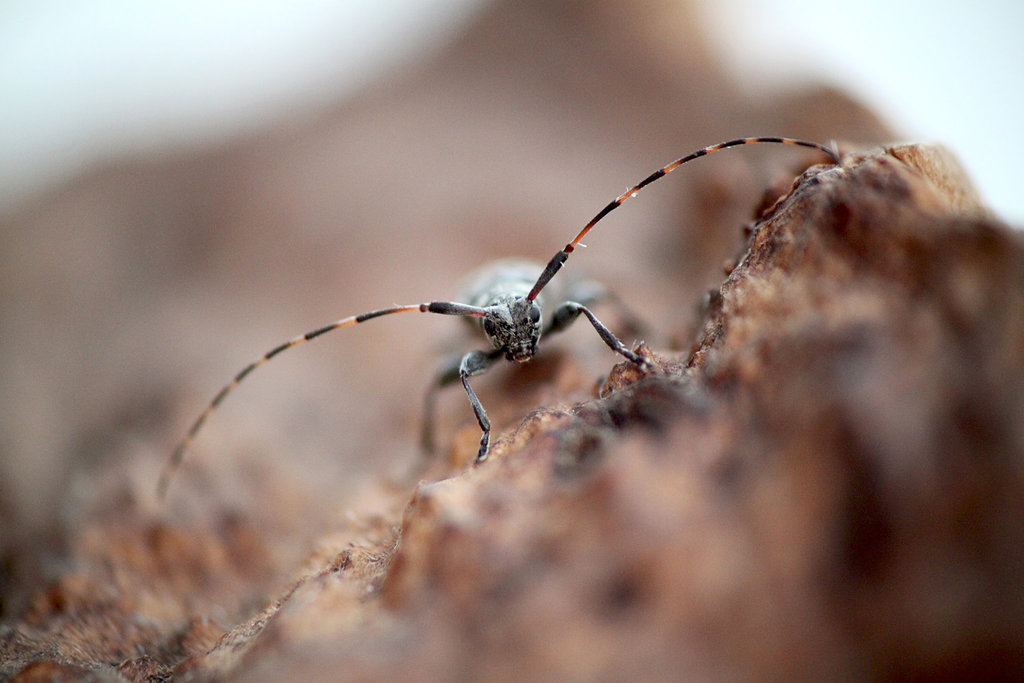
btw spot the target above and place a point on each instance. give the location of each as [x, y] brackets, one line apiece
[505, 306]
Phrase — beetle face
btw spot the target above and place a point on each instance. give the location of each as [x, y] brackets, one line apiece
[513, 325]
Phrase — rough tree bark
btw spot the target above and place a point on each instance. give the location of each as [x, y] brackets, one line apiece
[827, 485]
[822, 479]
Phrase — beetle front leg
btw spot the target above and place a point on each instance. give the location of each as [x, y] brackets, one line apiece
[567, 312]
[474, 363]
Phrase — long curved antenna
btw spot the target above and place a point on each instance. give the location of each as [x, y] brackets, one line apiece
[442, 307]
[556, 262]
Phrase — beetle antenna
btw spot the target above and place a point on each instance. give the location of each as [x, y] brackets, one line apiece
[555, 264]
[442, 307]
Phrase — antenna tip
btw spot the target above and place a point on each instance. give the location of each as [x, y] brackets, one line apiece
[834, 146]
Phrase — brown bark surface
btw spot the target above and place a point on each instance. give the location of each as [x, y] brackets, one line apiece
[822, 478]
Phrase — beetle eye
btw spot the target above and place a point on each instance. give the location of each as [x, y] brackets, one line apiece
[535, 314]
[489, 327]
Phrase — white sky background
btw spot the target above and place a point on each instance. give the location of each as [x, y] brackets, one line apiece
[943, 71]
[82, 81]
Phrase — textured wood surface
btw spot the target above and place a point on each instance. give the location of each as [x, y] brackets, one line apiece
[821, 479]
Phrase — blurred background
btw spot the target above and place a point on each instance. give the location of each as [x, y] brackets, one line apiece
[185, 185]
[88, 82]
